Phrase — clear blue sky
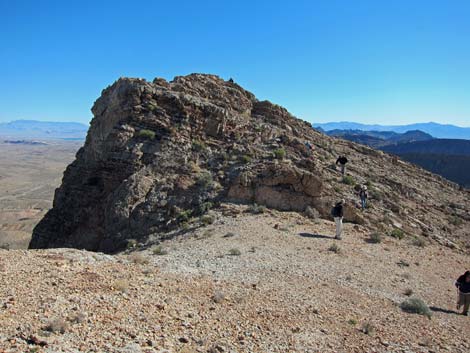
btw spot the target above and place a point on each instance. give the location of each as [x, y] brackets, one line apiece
[367, 61]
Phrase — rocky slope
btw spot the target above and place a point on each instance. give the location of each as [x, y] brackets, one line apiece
[259, 283]
[160, 154]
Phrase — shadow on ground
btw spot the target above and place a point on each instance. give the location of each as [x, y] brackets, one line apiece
[316, 236]
[445, 311]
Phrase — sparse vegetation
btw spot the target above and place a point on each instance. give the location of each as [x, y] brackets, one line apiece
[207, 219]
[352, 322]
[139, 259]
[256, 209]
[205, 207]
[419, 242]
[159, 250]
[5, 246]
[57, 325]
[280, 153]
[416, 306]
[131, 243]
[312, 213]
[348, 180]
[121, 285]
[205, 180]
[455, 221]
[147, 134]
[375, 238]
[408, 292]
[218, 297]
[184, 216]
[403, 263]
[246, 159]
[368, 328]
[397, 233]
[334, 248]
[234, 252]
[198, 145]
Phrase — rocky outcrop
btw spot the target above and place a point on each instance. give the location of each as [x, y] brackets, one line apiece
[160, 153]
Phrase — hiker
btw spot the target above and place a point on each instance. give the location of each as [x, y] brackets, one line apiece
[463, 287]
[337, 213]
[363, 196]
[342, 162]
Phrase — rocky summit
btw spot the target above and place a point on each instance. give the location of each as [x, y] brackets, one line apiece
[160, 155]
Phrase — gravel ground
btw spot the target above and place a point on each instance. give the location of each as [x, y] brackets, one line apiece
[246, 283]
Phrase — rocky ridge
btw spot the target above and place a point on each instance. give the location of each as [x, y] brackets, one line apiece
[159, 155]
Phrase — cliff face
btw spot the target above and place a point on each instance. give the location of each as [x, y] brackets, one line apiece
[158, 154]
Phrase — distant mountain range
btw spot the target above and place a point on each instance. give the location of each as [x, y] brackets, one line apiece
[447, 157]
[434, 129]
[378, 139]
[33, 129]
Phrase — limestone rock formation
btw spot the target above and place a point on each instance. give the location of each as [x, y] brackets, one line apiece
[159, 153]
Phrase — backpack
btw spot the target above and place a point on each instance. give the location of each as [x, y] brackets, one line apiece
[334, 212]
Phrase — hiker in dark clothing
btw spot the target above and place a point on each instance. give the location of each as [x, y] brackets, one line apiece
[463, 286]
[342, 162]
[363, 196]
[337, 213]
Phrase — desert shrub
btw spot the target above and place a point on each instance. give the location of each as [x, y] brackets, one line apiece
[205, 207]
[352, 322]
[218, 297]
[416, 306]
[312, 213]
[131, 243]
[419, 242]
[397, 233]
[375, 194]
[368, 328]
[334, 248]
[348, 180]
[207, 219]
[204, 180]
[57, 325]
[184, 216]
[198, 145]
[246, 159]
[159, 250]
[78, 318]
[368, 184]
[229, 235]
[121, 285]
[234, 252]
[375, 238]
[455, 221]
[5, 246]
[147, 134]
[139, 259]
[256, 209]
[403, 263]
[408, 292]
[280, 153]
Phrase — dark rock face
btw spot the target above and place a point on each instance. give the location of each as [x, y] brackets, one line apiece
[158, 153]
[209, 140]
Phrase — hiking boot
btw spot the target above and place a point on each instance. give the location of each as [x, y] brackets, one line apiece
[465, 313]
[338, 238]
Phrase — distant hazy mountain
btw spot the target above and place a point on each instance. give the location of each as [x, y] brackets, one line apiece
[33, 129]
[434, 129]
[378, 139]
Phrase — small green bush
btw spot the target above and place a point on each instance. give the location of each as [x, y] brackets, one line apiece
[397, 233]
[131, 243]
[280, 153]
[419, 242]
[234, 252]
[375, 238]
[205, 180]
[256, 209]
[159, 251]
[408, 292]
[205, 207]
[184, 216]
[348, 180]
[148, 134]
[416, 306]
[246, 159]
[198, 146]
[207, 219]
[455, 221]
[352, 322]
[368, 328]
[334, 248]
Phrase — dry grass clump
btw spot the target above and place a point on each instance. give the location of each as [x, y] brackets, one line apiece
[57, 325]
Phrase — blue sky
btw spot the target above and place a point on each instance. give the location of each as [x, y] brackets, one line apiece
[388, 62]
